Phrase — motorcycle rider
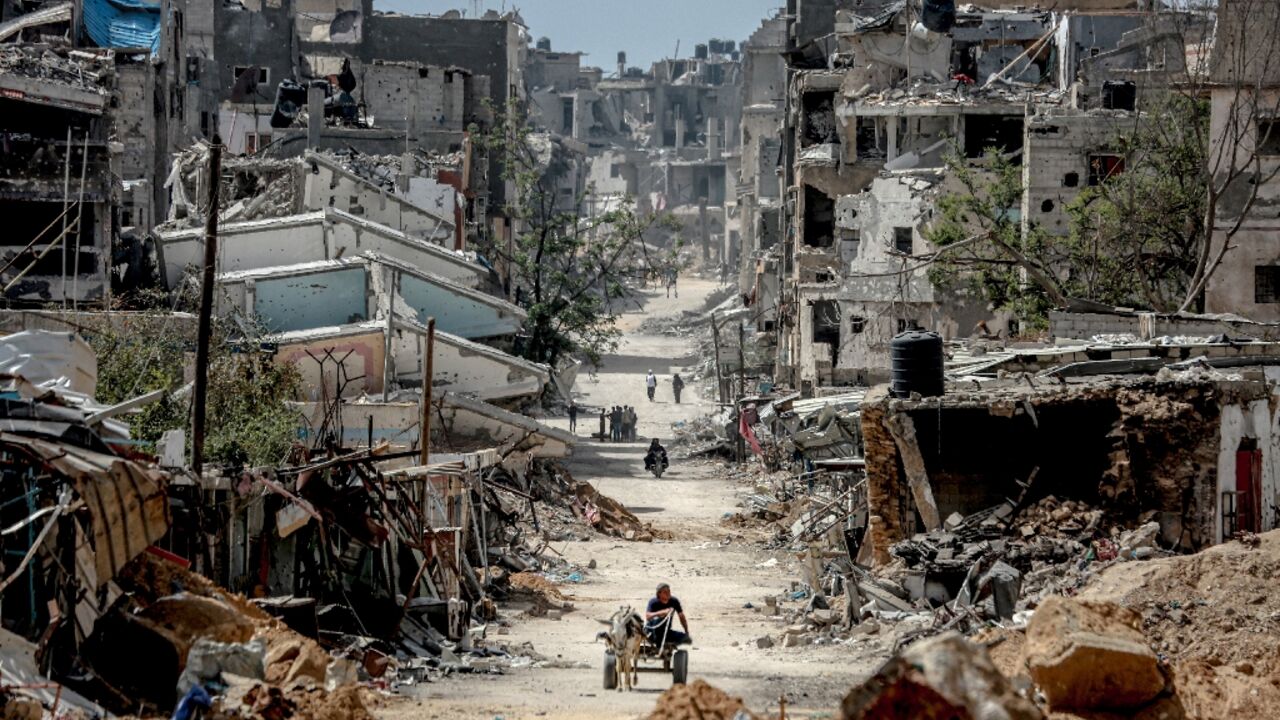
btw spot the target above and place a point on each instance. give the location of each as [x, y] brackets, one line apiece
[656, 454]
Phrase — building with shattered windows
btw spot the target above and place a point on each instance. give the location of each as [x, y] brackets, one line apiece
[880, 96]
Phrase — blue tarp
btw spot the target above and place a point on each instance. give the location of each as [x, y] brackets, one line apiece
[123, 23]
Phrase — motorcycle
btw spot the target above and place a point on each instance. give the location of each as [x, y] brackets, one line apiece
[657, 466]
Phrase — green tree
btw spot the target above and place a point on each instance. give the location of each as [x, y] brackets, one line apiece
[250, 420]
[980, 244]
[572, 255]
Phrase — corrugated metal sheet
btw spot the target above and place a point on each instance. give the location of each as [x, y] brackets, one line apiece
[123, 23]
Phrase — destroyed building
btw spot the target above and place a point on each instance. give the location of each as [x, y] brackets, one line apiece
[879, 98]
[60, 183]
[1244, 90]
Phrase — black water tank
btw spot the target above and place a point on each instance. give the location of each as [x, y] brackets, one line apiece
[938, 15]
[1121, 95]
[917, 364]
[700, 52]
[544, 44]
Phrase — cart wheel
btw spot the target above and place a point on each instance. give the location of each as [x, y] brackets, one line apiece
[610, 671]
[680, 667]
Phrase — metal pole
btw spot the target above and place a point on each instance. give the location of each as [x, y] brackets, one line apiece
[75, 255]
[427, 374]
[206, 308]
[66, 199]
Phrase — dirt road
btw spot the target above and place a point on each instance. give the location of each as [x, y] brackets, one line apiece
[713, 570]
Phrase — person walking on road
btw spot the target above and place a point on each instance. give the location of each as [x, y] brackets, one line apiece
[603, 436]
[632, 420]
[573, 416]
[651, 382]
[677, 385]
[672, 276]
[615, 424]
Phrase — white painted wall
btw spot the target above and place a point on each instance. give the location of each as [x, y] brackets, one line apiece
[327, 187]
[308, 238]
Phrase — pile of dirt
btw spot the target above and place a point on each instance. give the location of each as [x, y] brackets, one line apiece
[1216, 606]
[700, 701]
[533, 584]
[541, 594]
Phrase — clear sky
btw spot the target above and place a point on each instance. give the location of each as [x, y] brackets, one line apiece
[646, 29]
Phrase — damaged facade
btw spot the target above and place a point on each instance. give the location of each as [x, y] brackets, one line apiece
[878, 97]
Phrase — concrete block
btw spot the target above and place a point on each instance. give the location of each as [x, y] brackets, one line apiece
[1091, 656]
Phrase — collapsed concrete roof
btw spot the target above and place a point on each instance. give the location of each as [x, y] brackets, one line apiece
[295, 290]
[328, 234]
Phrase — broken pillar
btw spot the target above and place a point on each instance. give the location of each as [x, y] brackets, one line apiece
[903, 429]
[943, 677]
[1087, 656]
[1006, 585]
[315, 115]
[713, 139]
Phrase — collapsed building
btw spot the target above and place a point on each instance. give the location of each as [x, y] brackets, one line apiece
[880, 96]
[665, 139]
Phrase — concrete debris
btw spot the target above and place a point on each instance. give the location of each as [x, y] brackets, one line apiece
[944, 677]
[1088, 657]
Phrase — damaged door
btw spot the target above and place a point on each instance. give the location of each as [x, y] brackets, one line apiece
[1249, 489]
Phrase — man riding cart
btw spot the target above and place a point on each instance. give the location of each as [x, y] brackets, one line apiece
[659, 641]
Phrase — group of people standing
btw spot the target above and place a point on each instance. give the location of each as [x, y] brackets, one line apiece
[622, 423]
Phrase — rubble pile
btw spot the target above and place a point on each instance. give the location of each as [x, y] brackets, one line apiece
[80, 69]
[569, 504]
[1181, 637]
[700, 700]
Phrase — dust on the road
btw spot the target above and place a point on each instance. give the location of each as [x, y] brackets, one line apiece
[713, 572]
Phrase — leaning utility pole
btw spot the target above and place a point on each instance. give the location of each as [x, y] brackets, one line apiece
[427, 373]
[206, 307]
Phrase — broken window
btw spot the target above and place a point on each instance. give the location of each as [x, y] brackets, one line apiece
[903, 240]
[1269, 137]
[1104, 167]
[857, 325]
[905, 324]
[264, 74]
[1003, 133]
[869, 139]
[819, 218]
[1266, 284]
[826, 325]
[566, 106]
[818, 122]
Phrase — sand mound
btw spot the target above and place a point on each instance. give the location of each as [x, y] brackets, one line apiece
[699, 701]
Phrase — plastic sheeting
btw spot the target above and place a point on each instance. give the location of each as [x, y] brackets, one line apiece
[123, 23]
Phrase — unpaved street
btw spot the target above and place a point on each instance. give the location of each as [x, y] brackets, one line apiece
[715, 571]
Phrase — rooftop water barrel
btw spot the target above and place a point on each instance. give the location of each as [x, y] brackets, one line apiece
[917, 364]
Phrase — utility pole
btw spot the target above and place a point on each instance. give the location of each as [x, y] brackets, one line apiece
[206, 307]
[715, 340]
[428, 372]
[742, 390]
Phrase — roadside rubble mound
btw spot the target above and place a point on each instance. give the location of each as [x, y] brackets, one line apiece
[248, 662]
[560, 496]
[1179, 638]
[700, 701]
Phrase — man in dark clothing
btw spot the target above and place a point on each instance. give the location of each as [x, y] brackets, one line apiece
[677, 385]
[657, 616]
[573, 417]
[603, 436]
[615, 422]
